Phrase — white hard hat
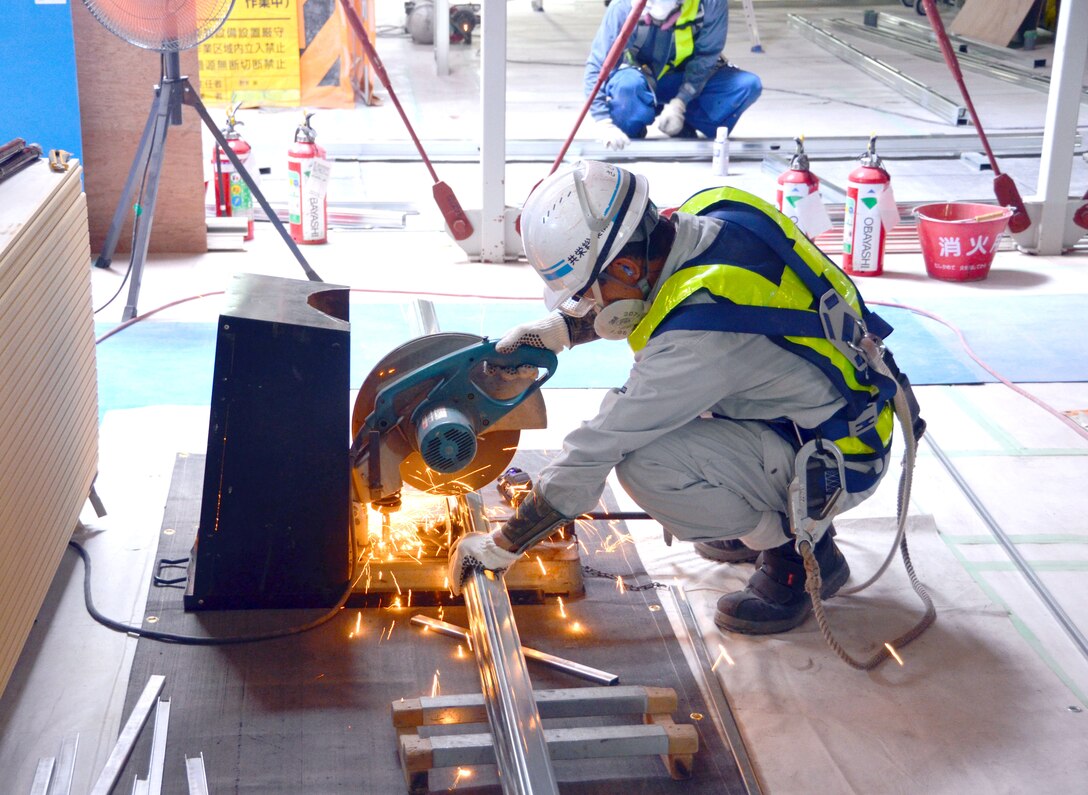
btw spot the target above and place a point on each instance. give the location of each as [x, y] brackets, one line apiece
[576, 221]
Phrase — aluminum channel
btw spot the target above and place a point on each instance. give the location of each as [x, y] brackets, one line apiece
[1018, 559]
[521, 751]
[923, 32]
[937, 104]
[1013, 144]
[590, 674]
[998, 71]
[141, 711]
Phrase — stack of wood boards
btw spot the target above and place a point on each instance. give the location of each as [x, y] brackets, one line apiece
[48, 388]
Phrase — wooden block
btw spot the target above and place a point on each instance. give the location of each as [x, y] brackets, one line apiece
[992, 21]
[683, 745]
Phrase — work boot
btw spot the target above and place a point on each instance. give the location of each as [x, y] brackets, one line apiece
[775, 599]
[726, 550]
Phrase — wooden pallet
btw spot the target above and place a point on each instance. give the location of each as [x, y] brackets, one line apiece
[675, 743]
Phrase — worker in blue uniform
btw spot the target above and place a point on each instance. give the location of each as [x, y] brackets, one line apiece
[672, 71]
[747, 341]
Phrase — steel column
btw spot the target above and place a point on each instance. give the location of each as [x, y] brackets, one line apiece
[521, 752]
[441, 21]
[493, 135]
[1062, 112]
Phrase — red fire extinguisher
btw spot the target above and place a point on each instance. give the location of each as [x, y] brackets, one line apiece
[796, 183]
[863, 234]
[232, 194]
[308, 179]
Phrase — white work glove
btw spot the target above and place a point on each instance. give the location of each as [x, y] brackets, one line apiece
[671, 119]
[476, 551]
[549, 332]
[610, 135]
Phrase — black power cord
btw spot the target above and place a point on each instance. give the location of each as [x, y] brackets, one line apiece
[194, 640]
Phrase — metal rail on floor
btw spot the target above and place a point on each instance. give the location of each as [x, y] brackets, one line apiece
[1016, 144]
[1021, 563]
[521, 751]
[917, 92]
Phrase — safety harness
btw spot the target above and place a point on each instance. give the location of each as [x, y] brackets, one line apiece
[775, 282]
[683, 39]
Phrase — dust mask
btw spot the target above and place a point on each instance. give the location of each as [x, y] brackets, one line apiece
[617, 320]
[661, 10]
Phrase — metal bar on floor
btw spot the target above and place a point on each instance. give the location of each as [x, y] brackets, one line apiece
[66, 766]
[1011, 550]
[158, 747]
[998, 71]
[919, 93]
[195, 776]
[521, 751]
[122, 749]
[719, 702]
[43, 774]
[1013, 144]
[586, 672]
[921, 31]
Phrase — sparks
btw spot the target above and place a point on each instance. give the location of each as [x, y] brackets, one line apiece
[460, 652]
[540, 563]
[576, 628]
[722, 655]
[562, 608]
[434, 684]
[394, 576]
[893, 653]
[358, 623]
[619, 584]
[462, 772]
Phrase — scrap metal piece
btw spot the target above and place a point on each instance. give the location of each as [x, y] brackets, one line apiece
[917, 92]
[158, 747]
[521, 750]
[586, 672]
[195, 776]
[61, 783]
[43, 773]
[127, 739]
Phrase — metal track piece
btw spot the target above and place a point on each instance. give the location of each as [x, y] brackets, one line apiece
[918, 31]
[195, 776]
[66, 766]
[1021, 563]
[43, 774]
[719, 702]
[1013, 144]
[919, 93]
[586, 672]
[158, 747]
[998, 71]
[525, 766]
[127, 739]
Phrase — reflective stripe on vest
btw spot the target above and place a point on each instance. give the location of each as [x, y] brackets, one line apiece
[785, 311]
[683, 38]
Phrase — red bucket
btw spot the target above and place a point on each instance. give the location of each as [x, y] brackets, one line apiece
[959, 239]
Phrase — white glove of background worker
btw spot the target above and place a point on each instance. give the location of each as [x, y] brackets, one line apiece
[671, 119]
[476, 551]
[610, 135]
[548, 332]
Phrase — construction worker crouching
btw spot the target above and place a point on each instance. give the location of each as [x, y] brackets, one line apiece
[672, 70]
[725, 304]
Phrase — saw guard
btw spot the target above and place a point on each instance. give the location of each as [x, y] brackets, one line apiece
[496, 443]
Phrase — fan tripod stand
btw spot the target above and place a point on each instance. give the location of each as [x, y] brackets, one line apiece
[174, 91]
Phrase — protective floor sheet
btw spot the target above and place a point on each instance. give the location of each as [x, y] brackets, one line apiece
[309, 714]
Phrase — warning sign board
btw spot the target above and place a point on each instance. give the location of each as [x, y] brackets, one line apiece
[254, 58]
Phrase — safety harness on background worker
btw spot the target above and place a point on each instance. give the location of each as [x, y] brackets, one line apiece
[801, 301]
[683, 26]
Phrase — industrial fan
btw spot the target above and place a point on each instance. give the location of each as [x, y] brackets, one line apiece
[168, 27]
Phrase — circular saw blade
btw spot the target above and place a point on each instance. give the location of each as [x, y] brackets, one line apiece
[494, 450]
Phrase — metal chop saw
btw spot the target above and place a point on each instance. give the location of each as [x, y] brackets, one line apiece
[442, 414]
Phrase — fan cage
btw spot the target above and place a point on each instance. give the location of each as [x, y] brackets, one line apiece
[162, 25]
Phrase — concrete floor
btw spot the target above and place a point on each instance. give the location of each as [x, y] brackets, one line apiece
[992, 698]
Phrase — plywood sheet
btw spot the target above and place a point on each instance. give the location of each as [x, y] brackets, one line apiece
[992, 21]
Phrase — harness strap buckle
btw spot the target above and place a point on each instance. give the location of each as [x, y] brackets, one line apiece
[843, 328]
[819, 482]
